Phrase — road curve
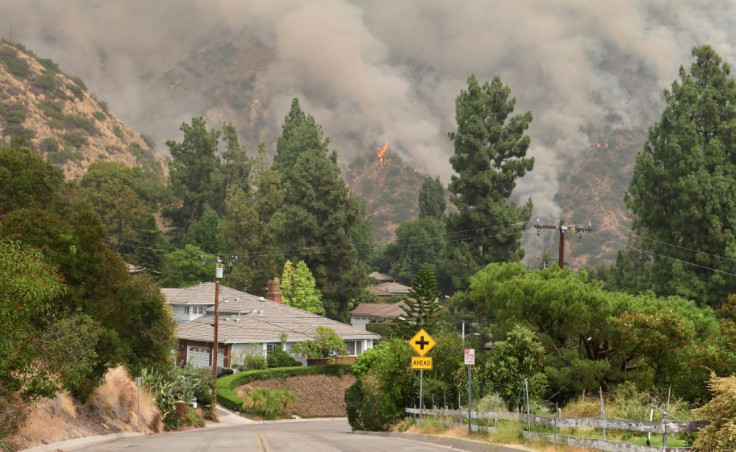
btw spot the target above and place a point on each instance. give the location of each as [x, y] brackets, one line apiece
[306, 436]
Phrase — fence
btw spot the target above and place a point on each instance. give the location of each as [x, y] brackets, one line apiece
[664, 427]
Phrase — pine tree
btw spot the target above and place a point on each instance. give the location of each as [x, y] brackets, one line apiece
[490, 154]
[682, 194]
[149, 254]
[319, 217]
[422, 307]
[432, 198]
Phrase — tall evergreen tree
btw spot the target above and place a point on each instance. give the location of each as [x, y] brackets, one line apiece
[432, 198]
[149, 254]
[247, 227]
[195, 177]
[490, 154]
[682, 195]
[422, 306]
[319, 216]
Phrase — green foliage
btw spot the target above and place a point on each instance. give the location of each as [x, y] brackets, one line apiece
[75, 139]
[173, 387]
[720, 433]
[46, 81]
[27, 181]
[573, 318]
[432, 202]
[298, 289]
[16, 131]
[49, 65]
[417, 241]
[385, 386]
[254, 362]
[203, 232]
[50, 145]
[80, 83]
[76, 90]
[422, 308]
[195, 177]
[318, 212]
[13, 63]
[100, 116]
[226, 386]
[247, 226]
[15, 113]
[117, 131]
[490, 154]
[280, 358]
[520, 357]
[683, 179]
[268, 404]
[81, 122]
[184, 267]
[327, 344]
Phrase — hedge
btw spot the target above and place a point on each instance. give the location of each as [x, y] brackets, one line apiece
[227, 385]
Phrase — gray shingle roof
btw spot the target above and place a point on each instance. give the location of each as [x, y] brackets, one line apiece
[244, 318]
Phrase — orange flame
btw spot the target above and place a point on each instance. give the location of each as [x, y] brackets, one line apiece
[597, 145]
[382, 151]
[606, 145]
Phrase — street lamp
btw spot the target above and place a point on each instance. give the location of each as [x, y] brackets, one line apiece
[218, 277]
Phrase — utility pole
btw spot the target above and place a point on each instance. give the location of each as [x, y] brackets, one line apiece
[218, 277]
[563, 228]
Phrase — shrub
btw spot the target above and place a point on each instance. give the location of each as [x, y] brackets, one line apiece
[327, 345]
[49, 65]
[100, 116]
[75, 139]
[53, 110]
[720, 434]
[14, 64]
[49, 145]
[14, 130]
[15, 113]
[280, 358]
[117, 131]
[76, 90]
[268, 404]
[46, 81]
[173, 388]
[254, 362]
[83, 123]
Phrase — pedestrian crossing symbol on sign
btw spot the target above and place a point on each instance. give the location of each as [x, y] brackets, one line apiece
[422, 342]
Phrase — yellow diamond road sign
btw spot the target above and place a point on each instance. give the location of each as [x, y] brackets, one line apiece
[421, 362]
[422, 342]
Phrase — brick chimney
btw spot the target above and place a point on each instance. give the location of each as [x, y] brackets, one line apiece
[273, 292]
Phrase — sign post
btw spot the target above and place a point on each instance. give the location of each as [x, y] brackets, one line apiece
[422, 343]
[469, 361]
[138, 387]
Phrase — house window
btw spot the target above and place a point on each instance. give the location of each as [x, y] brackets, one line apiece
[272, 347]
[354, 347]
[194, 310]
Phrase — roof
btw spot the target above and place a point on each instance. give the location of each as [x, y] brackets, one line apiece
[379, 310]
[389, 289]
[244, 318]
[204, 293]
[381, 277]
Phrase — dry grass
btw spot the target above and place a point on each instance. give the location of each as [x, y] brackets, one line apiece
[112, 408]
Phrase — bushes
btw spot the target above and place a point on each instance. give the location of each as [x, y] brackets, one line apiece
[720, 434]
[173, 388]
[14, 64]
[268, 404]
[279, 358]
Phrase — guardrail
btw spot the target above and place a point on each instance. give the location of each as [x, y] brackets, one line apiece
[663, 427]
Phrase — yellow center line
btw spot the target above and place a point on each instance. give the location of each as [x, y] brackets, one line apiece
[263, 445]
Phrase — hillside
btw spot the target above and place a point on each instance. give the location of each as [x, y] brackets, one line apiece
[61, 121]
[389, 187]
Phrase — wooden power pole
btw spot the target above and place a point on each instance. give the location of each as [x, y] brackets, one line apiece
[563, 228]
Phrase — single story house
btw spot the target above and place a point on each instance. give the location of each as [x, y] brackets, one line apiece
[389, 289]
[248, 325]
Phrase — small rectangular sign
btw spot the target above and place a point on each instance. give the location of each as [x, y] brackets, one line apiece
[138, 382]
[421, 362]
[469, 356]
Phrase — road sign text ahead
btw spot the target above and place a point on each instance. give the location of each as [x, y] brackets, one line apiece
[421, 362]
[422, 342]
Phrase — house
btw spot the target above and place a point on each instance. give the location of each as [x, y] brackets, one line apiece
[389, 289]
[248, 325]
[381, 277]
[366, 313]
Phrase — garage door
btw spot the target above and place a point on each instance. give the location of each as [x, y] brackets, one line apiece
[198, 356]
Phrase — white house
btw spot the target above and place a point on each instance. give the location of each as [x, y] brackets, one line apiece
[248, 325]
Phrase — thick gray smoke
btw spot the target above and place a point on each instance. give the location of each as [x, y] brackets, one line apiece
[387, 70]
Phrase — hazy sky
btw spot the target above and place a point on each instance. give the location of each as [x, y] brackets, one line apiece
[390, 70]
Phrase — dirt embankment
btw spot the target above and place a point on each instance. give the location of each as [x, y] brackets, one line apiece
[112, 408]
[317, 395]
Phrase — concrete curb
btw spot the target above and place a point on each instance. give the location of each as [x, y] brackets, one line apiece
[457, 443]
[76, 443]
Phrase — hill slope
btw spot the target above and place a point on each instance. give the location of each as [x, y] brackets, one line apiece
[61, 121]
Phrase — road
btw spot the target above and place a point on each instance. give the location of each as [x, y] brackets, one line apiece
[305, 436]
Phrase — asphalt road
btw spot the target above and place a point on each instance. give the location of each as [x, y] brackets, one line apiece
[305, 436]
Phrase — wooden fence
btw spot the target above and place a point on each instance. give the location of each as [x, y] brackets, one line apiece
[664, 427]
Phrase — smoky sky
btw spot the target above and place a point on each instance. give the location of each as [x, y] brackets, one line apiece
[377, 70]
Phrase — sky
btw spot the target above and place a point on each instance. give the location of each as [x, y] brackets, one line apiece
[377, 70]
